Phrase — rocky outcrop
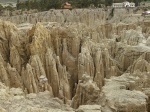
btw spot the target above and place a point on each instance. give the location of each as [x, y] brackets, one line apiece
[14, 99]
[79, 60]
[89, 108]
[124, 93]
[87, 92]
[87, 16]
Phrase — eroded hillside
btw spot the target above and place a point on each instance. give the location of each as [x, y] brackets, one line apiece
[75, 58]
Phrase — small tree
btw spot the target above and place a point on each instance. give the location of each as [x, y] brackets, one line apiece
[136, 2]
[108, 2]
[1, 7]
[29, 5]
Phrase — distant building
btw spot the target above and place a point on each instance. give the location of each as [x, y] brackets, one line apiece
[67, 6]
[123, 5]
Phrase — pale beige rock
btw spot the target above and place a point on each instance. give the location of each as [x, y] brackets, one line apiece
[86, 92]
[2, 110]
[52, 73]
[99, 75]
[3, 73]
[61, 16]
[89, 108]
[120, 98]
[29, 79]
[15, 59]
[48, 60]
[14, 77]
[14, 99]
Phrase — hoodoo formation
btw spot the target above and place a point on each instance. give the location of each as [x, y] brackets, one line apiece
[79, 60]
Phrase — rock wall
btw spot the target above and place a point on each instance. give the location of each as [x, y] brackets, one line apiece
[87, 16]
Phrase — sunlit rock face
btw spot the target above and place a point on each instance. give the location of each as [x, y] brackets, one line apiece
[83, 63]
